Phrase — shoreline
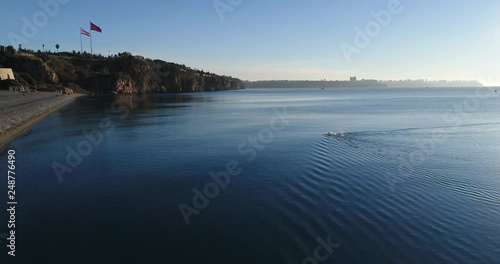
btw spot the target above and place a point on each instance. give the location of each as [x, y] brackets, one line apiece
[18, 121]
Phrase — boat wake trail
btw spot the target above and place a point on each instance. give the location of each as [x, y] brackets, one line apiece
[437, 168]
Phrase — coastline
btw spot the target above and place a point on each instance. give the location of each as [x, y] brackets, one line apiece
[19, 113]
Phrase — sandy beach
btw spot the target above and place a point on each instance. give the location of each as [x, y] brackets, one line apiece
[19, 113]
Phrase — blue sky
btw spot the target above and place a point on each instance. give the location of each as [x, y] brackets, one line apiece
[258, 39]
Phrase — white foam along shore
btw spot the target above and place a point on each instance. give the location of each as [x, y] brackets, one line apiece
[19, 113]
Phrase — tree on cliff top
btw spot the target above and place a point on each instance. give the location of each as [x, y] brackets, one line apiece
[57, 47]
[10, 50]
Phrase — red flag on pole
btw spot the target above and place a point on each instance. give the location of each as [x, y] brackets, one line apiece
[95, 28]
[84, 32]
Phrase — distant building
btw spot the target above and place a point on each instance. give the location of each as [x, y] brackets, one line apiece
[6, 74]
[354, 79]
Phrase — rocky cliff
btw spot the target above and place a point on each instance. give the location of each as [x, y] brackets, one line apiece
[33, 65]
[122, 73]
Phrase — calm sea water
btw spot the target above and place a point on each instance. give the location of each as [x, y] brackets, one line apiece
[408, 176]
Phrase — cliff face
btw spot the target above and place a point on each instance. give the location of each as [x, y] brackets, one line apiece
[175, 81]
[36, 67]
[117, 74]
[162, 77]
[103, 83]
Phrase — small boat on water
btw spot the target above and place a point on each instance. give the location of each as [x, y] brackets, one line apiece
[335, 134]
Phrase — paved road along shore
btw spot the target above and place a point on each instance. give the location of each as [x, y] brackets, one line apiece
[18, 112]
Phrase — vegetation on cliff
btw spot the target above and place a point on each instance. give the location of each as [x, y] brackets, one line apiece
[120, 73]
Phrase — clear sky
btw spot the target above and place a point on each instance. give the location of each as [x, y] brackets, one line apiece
[280, 39]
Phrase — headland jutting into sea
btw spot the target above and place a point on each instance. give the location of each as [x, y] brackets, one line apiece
[41, 82]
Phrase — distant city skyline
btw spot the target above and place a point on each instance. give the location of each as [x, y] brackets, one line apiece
[354, 82]
[278, 40]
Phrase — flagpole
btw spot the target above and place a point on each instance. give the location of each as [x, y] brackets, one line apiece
[91, 52]
[81, 45]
